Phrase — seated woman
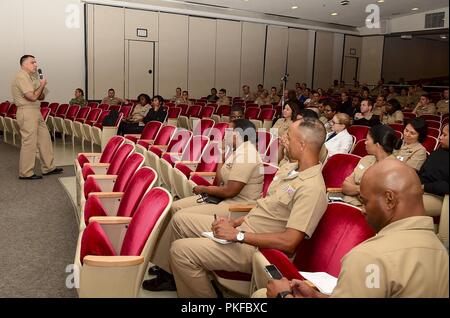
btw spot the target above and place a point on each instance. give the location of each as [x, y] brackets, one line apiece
[393, 113]
[79, 98]
[329, 110]
[434, 176]
[412, 152]
[380, 143]
[339, 140]
[130, 125]
[290, 110]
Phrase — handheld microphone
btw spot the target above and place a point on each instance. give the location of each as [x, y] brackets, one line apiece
[41, 76]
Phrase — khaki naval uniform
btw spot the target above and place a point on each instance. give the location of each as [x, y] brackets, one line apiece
[429, 109]
[282, 125]
[33, 129]
[223, 101]
[405, 259]
[393, 118]
[413, 155]
[357, 174]
[249, 97]
[245, 166]
[295, 200]
[111, 101]
[442, 107]
[139, 112]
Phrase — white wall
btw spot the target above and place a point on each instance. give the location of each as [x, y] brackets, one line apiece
[413, 22]
[371, 59]
[39, 28]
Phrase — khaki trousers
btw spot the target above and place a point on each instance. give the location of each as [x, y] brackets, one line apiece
[35, 137]
[433, 204]
[187, 205]
[192, 257]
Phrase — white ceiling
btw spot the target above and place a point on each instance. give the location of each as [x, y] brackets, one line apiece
[352, 14]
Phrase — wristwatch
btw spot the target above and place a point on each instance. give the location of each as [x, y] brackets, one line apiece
[240, 236]
[283, 294]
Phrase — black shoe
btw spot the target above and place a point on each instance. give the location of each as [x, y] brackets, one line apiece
[33, 177]
[160, 283]
[54, 171]
[155, 270]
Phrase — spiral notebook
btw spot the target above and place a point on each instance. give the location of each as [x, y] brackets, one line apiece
[210, 235]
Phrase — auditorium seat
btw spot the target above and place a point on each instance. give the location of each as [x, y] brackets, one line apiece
[431, 117]
[360, 148]
[434, 124]
[337, 168]
[434, 132]
[251, 112]
[119, 203]
[202, 126]
[341, 228]
[150, 131]
[360, 132]
[217, 132]
[70, 124]
[172, 115]
[430, 143]
[263, 141]
[205, 113]
[100, 135]
[222, 114]
[113, 265]
[265, 118]
[183, 119]
[162, 138]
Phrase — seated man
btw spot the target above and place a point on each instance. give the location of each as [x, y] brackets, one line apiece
[405, 259]
[293, 207]
[111, 99]
[223, 98]
[424, 107]
[442, 105]
[212, 98]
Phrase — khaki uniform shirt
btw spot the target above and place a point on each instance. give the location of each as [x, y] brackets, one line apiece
[379, 109]
[393, 118]
[405, 259]
[429, 109]
[413, 155]
[78, 101]
[403, 100]
[111, 101]
[262, 101]
[244, 165]
[140, 111]
[412, 99]
[282, 125]
[223, 101]
[364, 164]
[274, 99]
[295, 200]
[442, 107]
[249, 97]
[24, 83]
[177, 100]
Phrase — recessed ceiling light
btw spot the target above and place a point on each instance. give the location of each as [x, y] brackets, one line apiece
[334, 13]
[380, 1]
[443, 36]
[294, 7]
[415, 9]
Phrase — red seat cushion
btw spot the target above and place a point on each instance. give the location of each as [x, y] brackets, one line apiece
[157, 151]
[132, 138]
[93, 207]
[143, 143]
[95, 242]
[144, 219]
[86, 171]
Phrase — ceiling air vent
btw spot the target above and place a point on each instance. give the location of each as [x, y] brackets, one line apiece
[434, 20]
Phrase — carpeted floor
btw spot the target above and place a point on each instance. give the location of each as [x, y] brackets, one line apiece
[38, 232]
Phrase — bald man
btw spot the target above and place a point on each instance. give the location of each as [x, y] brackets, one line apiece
[405, 258]
[293, 207]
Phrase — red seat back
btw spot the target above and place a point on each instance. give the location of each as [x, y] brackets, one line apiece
[92, 104]
[209, 159]
[93, 116]
[266, 114]
[173, 112]
[102, 116]
[407, 115]
[251, 113]
[194, 111]
[207, 112]
[223, 110]
[360, 132]
[72, 112]
[115, 107]
[179, 141]
[263, 140]
[53, 107]
[360, 148]
[45, 112]
[430, 143]
[184, 109]
[147, 214]
[217, 132]
[12, 111]
[83, 113]
[103, 106]
[269, 173]
[398, 127]
[164, 135]
[133, 163]
[434, 124]
[119, 158]
[4, 108]
[201, 126]
[151, 130]
[62, 110]
[341, 228]
[195, 148]
[337, 168]
[44, 104]
[431, 117]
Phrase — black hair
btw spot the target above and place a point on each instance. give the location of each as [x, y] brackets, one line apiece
[81, 91]
[147, 98]
[385, 136]
[246, 129]
[395, 105]
[111, 89]
[420, 125]
[307, 113]
[161, 100]
[329, 102]
[295, 107]
[223, 90]
[292, 95]
[23, 58]
[237, 109]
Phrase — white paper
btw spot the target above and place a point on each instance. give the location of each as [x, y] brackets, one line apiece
[324, 282]
[210, 235]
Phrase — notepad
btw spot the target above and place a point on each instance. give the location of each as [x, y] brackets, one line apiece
[210, 235]
[324, 282]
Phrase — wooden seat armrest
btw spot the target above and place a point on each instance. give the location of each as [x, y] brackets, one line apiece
[133, 135]
[187, 163]
[203, 174]
[112, 195]
[112, 261]
[98, 165]
[103, 176]
[110, 219]
[334, 190]
[90, 154]
[241, 207]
